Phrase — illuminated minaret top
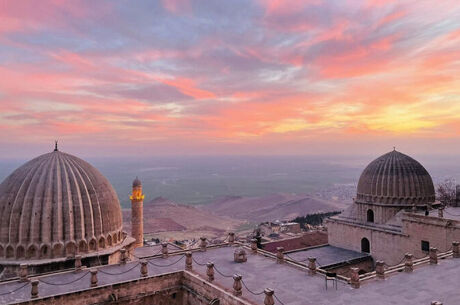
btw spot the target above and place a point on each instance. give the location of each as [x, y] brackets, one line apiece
[137, 213]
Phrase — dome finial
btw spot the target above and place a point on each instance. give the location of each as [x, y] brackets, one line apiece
[56, 145]
[137, 182]
[394, 148]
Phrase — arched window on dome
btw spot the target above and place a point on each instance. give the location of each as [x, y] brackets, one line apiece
[101, 242]
[365, 245]
[57, 250]
[370, 215]
[31, 252]
[20, 252]
[9, 252]
[44, 251]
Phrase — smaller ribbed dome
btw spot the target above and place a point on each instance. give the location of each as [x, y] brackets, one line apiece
[137, 182]
[395, 179]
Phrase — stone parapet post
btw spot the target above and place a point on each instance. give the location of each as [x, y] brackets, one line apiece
[254, 245]
[380, 269]
[433, 255]
[77, 263]
[408, 262]
[123, 258]
[210, 271]
[279, 255]
[144, 268]
[455, 249]
[93, 277]
[312, 265]
[203, 243]
[23, 273]
[231, 238]
[269, 296]
[354, 277]
[237, 286]
[436, 303]
[164, 250]
[34, 289]
[441, 211]
[188, 261]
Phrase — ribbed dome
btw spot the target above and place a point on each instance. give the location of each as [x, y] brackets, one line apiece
[57, 205]
[395, 179]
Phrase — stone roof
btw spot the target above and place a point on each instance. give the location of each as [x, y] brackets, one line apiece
[53, 206]
[395, 179]
[137, 182]
[292, 284]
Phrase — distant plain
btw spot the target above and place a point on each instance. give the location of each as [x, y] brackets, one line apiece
[202, 180]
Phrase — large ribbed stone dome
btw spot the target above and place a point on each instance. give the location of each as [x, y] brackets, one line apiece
[395, 179]
[57, 205]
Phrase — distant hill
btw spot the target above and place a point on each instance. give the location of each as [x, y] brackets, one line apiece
[272, 207]
[163, 215]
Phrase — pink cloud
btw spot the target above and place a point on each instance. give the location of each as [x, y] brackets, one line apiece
[177, 6]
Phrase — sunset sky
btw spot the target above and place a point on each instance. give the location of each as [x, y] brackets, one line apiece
[229, 77]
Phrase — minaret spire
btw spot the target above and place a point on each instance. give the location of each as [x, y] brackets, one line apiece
[137, 213]
[56, 146]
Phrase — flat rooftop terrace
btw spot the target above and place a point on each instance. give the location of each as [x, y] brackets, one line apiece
[326, 255]
[291, 283]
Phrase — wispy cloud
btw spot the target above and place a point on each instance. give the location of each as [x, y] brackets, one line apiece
[208, 74]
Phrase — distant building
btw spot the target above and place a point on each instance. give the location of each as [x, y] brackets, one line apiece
[290, 227]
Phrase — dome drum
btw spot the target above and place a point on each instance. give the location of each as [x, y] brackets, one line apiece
[55, 250]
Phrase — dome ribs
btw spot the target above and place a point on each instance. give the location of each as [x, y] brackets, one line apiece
[394, 186]
[46, 217]
[95, 204]
[57, 227]
[398, 179]
[377, 186]
[23, 221]
[67, 204]
[395, 178]
[11, 215]
[88, 219]
[35, 221]
[77, 204]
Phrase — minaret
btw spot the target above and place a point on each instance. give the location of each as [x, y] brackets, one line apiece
[137, 213]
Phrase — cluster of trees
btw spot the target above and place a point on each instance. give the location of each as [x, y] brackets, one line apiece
[446, 192]
[314, 219]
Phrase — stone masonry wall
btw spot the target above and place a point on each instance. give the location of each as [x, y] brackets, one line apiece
[179, 288]
[383, 246]
[390, 247]
[160, 290]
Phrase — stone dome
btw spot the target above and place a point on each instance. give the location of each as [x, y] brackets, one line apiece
[395, 179]
[55, 206]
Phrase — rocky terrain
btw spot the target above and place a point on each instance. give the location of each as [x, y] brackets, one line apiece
[272, 207]
[166, 219]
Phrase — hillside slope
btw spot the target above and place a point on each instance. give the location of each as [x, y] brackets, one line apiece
[162, 215]
[272, 207]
